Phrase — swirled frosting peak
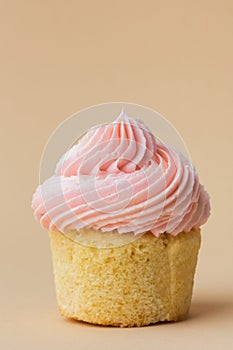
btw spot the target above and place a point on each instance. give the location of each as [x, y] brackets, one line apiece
[119, 177]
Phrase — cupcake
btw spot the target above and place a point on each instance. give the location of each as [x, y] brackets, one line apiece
[124, 212]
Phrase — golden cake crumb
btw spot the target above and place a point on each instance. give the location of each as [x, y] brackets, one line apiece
[136, 284]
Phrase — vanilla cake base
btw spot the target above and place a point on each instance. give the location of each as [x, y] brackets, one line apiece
[142, 282]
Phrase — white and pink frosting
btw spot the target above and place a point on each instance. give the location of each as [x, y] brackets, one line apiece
[119, 177]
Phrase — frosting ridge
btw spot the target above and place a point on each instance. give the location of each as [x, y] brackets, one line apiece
[119, 177]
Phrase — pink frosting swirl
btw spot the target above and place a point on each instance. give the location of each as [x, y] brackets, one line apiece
[118, 177]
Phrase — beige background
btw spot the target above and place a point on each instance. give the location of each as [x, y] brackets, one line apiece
[58, 57]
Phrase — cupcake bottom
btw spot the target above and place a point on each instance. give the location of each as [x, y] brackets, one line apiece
[145, 281]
